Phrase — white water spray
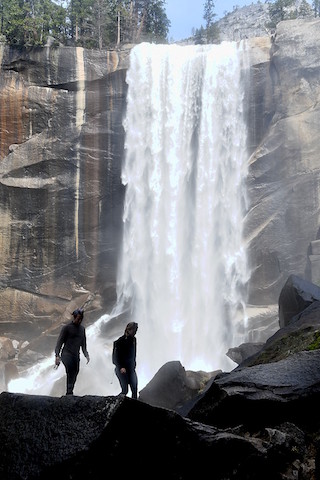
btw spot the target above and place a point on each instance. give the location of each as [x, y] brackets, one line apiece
[183, 266]
[184, 261]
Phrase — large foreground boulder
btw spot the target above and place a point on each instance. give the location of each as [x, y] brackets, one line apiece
[93, 438]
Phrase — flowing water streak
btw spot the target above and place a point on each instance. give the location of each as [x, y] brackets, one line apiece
[80, 119]
[184, 263]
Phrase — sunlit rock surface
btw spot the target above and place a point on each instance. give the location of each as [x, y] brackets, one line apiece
[283, 181]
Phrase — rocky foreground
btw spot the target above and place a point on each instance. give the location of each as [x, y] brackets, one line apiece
[260, 421]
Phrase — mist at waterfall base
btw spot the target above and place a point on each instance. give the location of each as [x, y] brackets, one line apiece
[183, 266]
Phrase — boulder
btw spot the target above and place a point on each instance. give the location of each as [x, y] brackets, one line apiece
[245, 350]
[89, 438]
[7, 350]
[301, 334]
[284, 391]
[296, 295]
[172, 386]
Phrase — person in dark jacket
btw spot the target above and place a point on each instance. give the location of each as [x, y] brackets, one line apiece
[72, 337]
[124, 359]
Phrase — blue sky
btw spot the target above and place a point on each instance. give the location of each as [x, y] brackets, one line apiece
[187, 14]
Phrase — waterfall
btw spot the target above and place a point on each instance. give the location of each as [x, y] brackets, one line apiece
[183, 265]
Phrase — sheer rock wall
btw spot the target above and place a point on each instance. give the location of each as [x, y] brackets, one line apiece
[283, 184]
[61, 145]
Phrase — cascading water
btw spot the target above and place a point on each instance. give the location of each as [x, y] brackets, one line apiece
[184, 260]
[183, 266]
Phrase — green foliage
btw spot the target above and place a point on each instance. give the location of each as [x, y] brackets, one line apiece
[89, 23]
[199, 36]
[209, 13]
[305, 338]
[29, 22]
[281, 10]
[12, 21]
[211, 32]
[156, 24]
[315, 344]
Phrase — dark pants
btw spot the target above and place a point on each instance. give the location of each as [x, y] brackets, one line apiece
[72, 366]
[126, 379]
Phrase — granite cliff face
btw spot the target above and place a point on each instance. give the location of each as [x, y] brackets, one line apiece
[282, 223]
[61, 148]
[61, 144]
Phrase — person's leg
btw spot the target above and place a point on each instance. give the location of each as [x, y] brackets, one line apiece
[74, 373]
[66, 360]
[123, 380]
[133, 382]
[72, 369]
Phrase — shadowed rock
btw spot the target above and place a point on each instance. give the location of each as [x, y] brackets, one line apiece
[92, 438]
[172, 387]
[287, 390]
[244, 351]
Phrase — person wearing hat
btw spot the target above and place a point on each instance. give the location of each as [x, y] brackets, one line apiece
[71, 338]
[124, 358]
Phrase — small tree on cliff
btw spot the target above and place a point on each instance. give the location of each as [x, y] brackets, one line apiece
[316, 7]
[304, 9]
[281, 10]
[212, 31]
[103, 25]
[156, 25]
[150, 22]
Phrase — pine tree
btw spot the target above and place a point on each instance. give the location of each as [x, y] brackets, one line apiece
[279, 11]
[212, 31]
[316, 7]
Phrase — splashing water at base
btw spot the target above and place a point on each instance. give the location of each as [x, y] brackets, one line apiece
[183, 265]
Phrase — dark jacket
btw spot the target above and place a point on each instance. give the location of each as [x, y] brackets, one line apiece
[72, 337]
[124, 352]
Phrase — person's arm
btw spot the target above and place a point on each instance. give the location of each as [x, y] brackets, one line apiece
[135, 352]
[117, 356]
[60, 342]
[84, 347]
